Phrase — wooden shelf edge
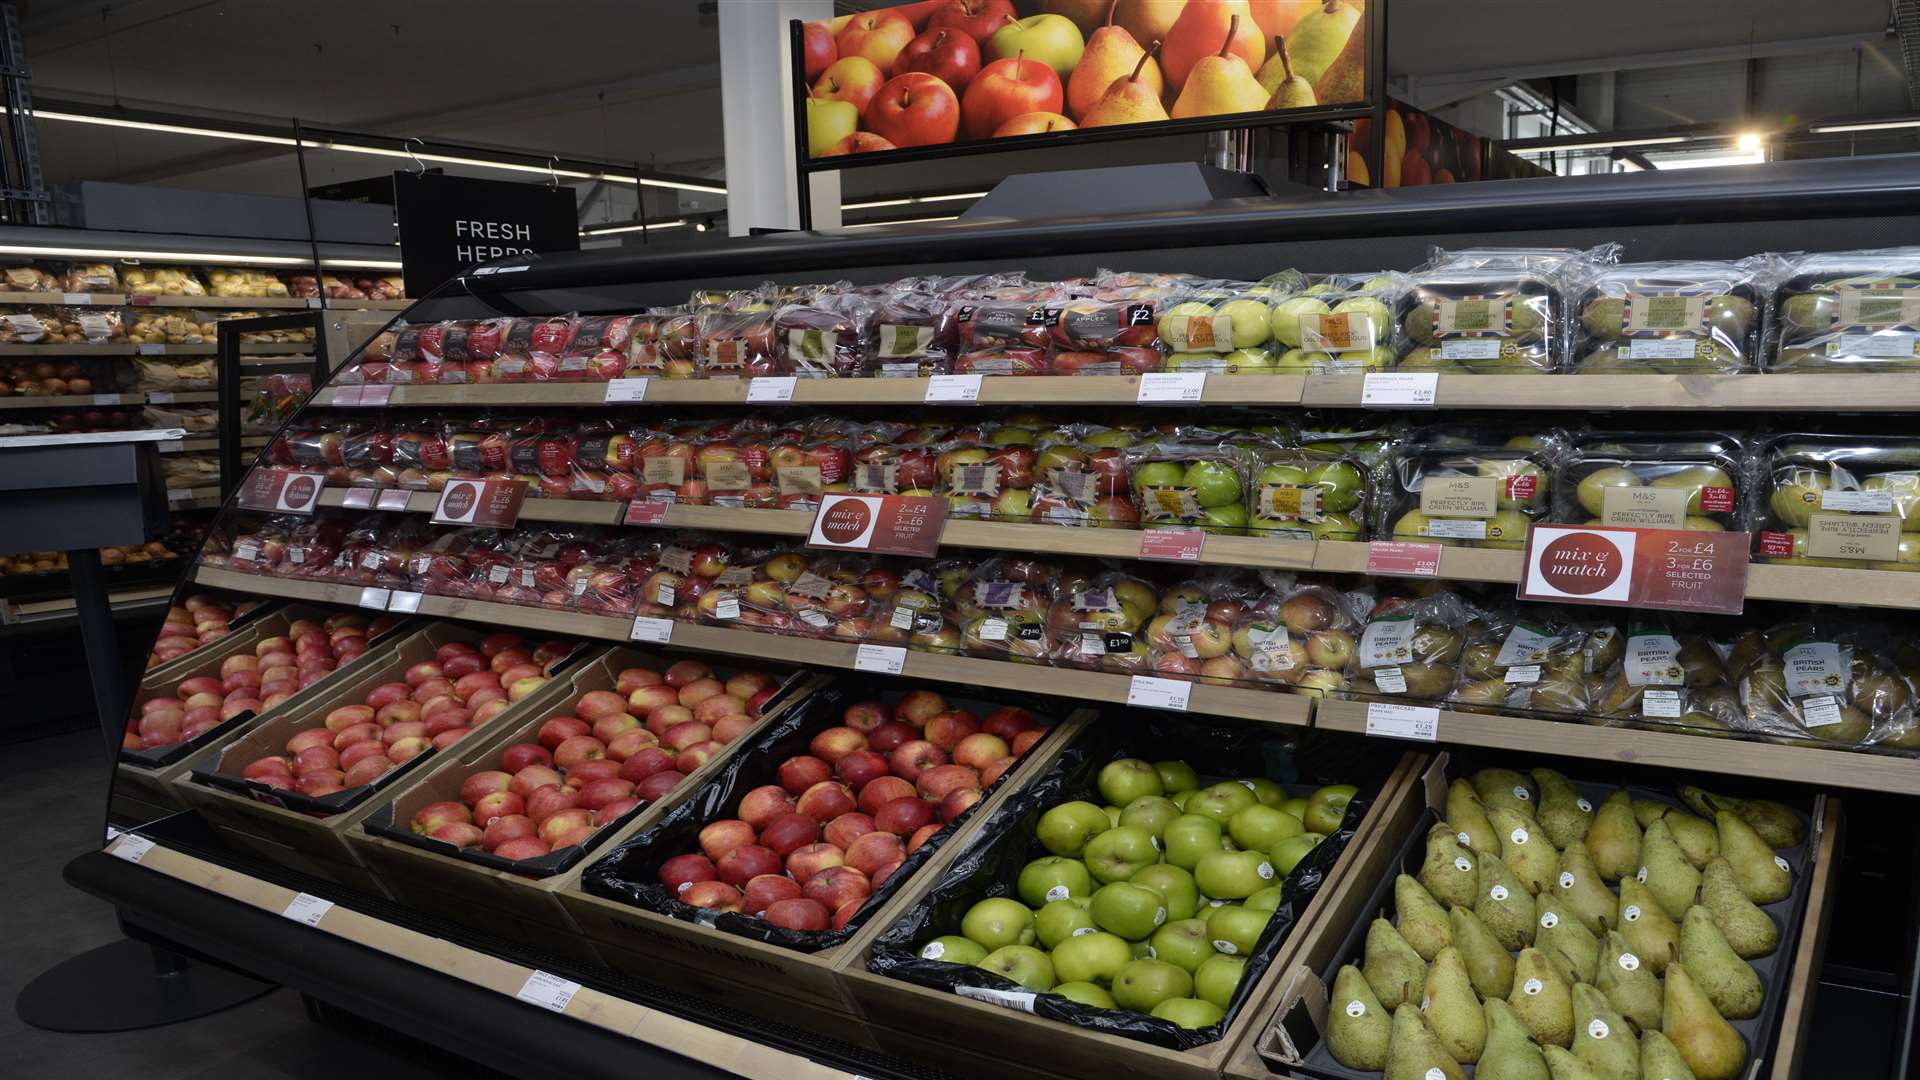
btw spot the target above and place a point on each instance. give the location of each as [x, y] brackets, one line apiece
[1667, 749]
[1817, 392]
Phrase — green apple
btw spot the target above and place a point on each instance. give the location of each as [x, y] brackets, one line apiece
[1327, 808]
[1223, 800]
[1191, 835]
[1296, 807]
[1176, 776]
[1085, 993]
[1174, 321]
[1267, 899]
[1158, 474]
[1235, 929]
[1175, 886]
[1127, 779]
[1053, 40]
[1233, 875]
[1335, 527]
[829, 121]
[953, 949]
[998, 921]
[1254, 827]
[1180, 798]
[1054, 877]
[1251, 325]
[1065, 829]
[1252, 362]
[1023, 964]
[1298, 362]
[1094, 958]
[1286, 317]
[1340, 485]
[1142, 984]
[1214, 483]
[1371, 327]
[1183, 943]
[1189, 1013]
[1592, 491]
[1268, 792]
[1132, 911]
[1120, 852]
[1282, 476]
[1110, 439]
[1061, 920]
[1149, 812]
[1288, 853]
[1231, 517]
[1218, 978]
[1113, 815]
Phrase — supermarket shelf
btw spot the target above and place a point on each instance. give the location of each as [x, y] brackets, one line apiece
[199, 445]
[125, 348]
[209, 303]
[40, 614]
[1456, 563]
[1738, 757]
[1265, 705]
[1800, 393]
[994, 390]
[71, 401]
[198, 498]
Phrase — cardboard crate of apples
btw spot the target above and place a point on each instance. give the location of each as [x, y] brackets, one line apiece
[1527, 923]
[1134, 896]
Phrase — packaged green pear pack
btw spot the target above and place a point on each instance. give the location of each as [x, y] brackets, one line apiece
[1848, 311]
[1837, 500]
[1674, 317]
[1681, 480]
[1494, 311]
[1479, 496]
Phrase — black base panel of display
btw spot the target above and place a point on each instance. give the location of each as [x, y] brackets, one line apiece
[130, 986]
[461, 1018]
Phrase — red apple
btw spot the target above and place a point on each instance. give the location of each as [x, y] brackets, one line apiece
[633, 678]
[277, 766]
[916, 109]
[835, 743]
[366, 771]
[995, 770]
[549, 801]
[979, 750]
[957, 802]
[934, 783]
[719, 837]
[857, 768]
[797, 774]
[558, 830]
[882, 791]
[920, 836]
[598, 793]
[498, 804]
[405, 750]
[586, 772]
[682, 871]
[945, 730]
[729, 728]
[680, 736]
[876, 35]
[630, 742]
[1025, 741]
[947, 55]
[421, 672]
[659, 785]
[744, 863]
[836, 885]
[354, 753]
[767, 889]
[806, 861]
[888, 736]
[866, 715]
[711, 896]
[798, 913]
[646, 763]
[459, 834]
[614, 811]
[509, 827]
[842, 831]
[789, 832]
[595, 704]
[434, 815]
[520, 755]
[916, 707]
[902, 817]
[315, 757]
[690, 759]
[875, 851]
[532, 778]
[666, 716]
[524, 847]
[577, 749]
[686, 672]
[561, 728]
[642, 701]
[825, 801]
[910, 759]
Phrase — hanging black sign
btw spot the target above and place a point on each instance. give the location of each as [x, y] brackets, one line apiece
[449, 223]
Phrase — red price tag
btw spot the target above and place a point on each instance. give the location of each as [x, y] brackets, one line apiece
[140, 301]
[490, 503]
[1398, 558]
[1172, 545]
[645, 512]
[1673, 569]
[887, 524]
[281, 492]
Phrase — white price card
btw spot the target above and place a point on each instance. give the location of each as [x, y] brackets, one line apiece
[768, 390]
[626, 390]
[405, 603]
[106, 399]
[1403, 721]
[1172, 387]
[172, 446]
[76, 298]
[159, 397]
[307, 909]
[179, 494]
[548, 991]
[1388, 389]
[132, 848]
[375, 598]
[885, 659]
[1149, 692]
[152, 350]
[953, 389]
[652, 631]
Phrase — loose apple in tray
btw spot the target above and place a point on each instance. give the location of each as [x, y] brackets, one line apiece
[820, 821]
[1105, 894]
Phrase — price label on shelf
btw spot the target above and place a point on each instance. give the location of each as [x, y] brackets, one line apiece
[626, 390]
[651, 631]
[159, 397]
[315, 302]
[106, 399]
[1399, 558]
[883, 659]
[375, 598]
[953, 390]
[357, 498]
[406, 603]
[1402, 721]
[76, 298]
[394, 499]
[132, 848]
[175, 495]
[1398, 389]
[151, 350]
[645, 512]
[1151, 693]
[770, 390]
[307, 909]
[548, 991]
[376, 396]
[1172, 387]
[1172, 545]
[345, 395]
[141, 300]
[172, 446]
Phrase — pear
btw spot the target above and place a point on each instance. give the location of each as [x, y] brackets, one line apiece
[1421, 919]
[1564, 1066]
[1448, 871]
[1345, 79]
[1525, 849]
[1601, 1037]
[1652, 935]
[1221, 84]
[1510, 1053]
[1762, 875]
[1564, 815]
[1392, 968]
[1320, 36]
[1489, 966]
[1648, 811]
[1285, 89]
[1699, 841]
[1541, 999]
[1660, 1059]
[1668, 875]
[1750, 931]
[1133, 99]
[1211, 28]
[1706, 1042]
[1504, 904]
[1112, 54]
[1728, 981]
[1503, 788]
[1777, 825]
[1452, 1009]
[1629, 983]
[1566, 941]
[1579, 890]
[1614, 840]
[1148, 20]
[1357, 1024]
[1468, 815]
[1414, 1052]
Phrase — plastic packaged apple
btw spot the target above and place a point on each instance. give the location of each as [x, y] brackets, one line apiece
[1002, 610]
[816, 823]
[1841, 501]
[1526, 659]
[1082, 483]
[1411, 647]
[1825, 681]
[919, 611]
[1006, 332]
[1187, 483]
[1342, 325]
[916, 330]
[1668, 480]
[1220, 328]
[1142, 884]
[1098, 621]
[1190, 634]
[826, 335]
[1494, 311]
[1668, 675]
[1848, 311]
[1111, 333]
[1474, 497]
[736, 337]
[1307, 495]
[1301, 636]
[894, 468]
[1673, 317]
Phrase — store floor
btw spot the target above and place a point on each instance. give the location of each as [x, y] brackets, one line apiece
[51, 805]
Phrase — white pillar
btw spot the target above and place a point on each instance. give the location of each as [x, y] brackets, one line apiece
[756, 99]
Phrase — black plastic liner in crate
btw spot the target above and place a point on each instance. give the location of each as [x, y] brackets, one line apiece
[1005, 843]
[1773, 969]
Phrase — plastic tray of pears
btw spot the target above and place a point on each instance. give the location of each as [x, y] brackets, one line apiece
[1635, 977]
